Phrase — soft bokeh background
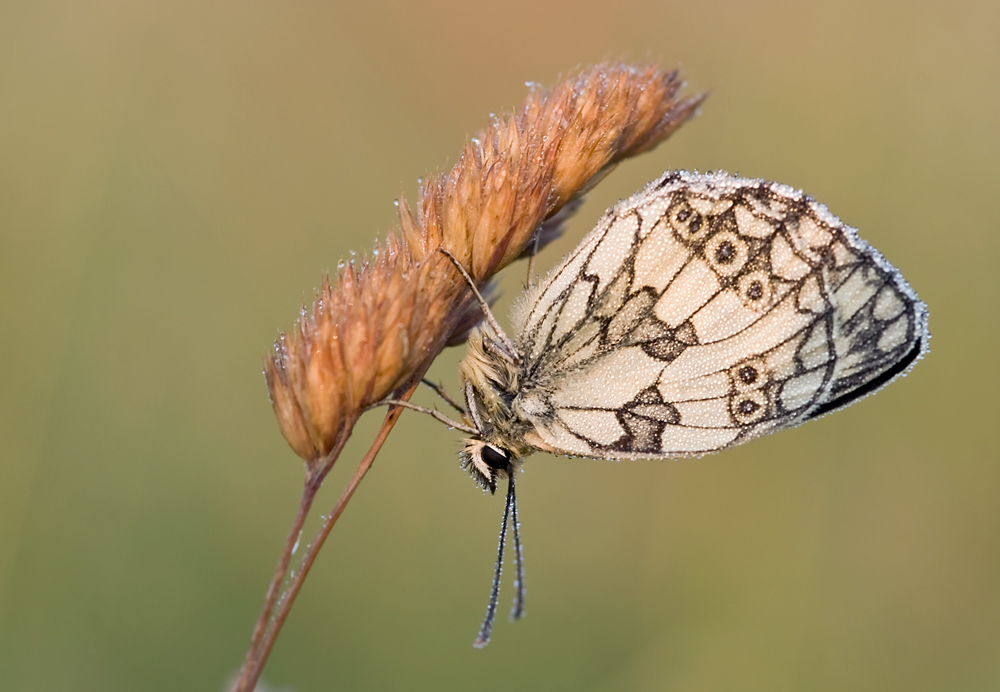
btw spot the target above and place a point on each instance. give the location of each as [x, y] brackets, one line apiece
[176, 176]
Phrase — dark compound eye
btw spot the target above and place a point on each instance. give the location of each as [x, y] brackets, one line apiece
[747, 406]
[683, 214]
[747, 374]
[725, 253]
[695, 224]
[755, 291]
[496, 460]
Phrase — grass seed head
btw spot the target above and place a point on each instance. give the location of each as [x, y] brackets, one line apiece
[375, 328]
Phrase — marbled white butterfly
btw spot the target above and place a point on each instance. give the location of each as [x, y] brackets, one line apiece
[702, 312]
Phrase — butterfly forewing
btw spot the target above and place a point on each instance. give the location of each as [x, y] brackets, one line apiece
[704, 311]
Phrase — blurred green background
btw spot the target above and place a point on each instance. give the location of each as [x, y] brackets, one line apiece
[176, 176]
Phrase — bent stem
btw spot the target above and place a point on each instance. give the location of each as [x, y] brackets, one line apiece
[265, 632]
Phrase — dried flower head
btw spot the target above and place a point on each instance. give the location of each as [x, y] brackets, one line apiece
[374, 331]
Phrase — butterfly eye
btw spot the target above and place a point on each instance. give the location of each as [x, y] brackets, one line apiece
[496, 459]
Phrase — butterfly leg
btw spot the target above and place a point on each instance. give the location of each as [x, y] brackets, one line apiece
[439, 390]
[434, 413]
[530, 281]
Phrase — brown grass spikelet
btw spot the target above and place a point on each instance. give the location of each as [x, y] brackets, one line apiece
[376, 327]
[365, 333]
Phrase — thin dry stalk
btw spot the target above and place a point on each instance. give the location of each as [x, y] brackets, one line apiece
[313, 550]
[373, 331]
[265, 624]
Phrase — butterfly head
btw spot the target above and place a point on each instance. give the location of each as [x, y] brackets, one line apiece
[492, 377]
[487, 462]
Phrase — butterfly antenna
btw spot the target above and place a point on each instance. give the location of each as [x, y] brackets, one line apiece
[491, 610]
[517, 611]
[485, 307]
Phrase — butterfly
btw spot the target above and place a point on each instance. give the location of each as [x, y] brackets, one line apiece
[700, 313]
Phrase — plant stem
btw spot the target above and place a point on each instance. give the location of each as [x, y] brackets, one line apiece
[262, 644]
[308, 495]
[309, 490]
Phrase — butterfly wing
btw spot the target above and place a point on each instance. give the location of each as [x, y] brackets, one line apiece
[704, 311]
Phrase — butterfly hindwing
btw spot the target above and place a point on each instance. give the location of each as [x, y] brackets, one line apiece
[704, 311]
